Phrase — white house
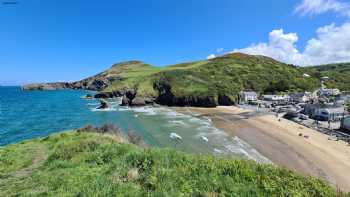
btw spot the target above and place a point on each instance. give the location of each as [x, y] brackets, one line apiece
[324, 112]
[329, 92]
[276, 97]
[247, 96]
[300, 97]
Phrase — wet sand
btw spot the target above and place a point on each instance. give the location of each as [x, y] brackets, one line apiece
[279, 141]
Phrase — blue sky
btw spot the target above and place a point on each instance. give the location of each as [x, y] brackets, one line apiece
[61, 40]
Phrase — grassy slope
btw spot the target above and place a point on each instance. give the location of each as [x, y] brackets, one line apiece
[89, 164]
[339, 74]
[225, 75]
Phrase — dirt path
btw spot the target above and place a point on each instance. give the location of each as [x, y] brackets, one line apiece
[39, 159]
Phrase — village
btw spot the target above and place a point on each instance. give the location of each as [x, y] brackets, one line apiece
[325, 110]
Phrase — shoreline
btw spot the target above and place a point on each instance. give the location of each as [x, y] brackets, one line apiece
[280, 143]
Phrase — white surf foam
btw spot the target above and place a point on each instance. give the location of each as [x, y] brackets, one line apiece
[92, 104]
[249, 151]
[178, 122]
[105, 110]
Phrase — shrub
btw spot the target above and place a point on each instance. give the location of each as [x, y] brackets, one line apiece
[134, 138]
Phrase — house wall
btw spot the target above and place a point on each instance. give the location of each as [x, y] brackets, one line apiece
[319, 113]
[346, 124]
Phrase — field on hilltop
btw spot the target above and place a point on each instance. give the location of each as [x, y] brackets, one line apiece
[91, 164]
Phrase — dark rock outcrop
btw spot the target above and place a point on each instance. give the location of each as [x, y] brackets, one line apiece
[130, 93]
[104, 104]
[166, 97]
[129, 98]
[47, 86]
[225, 100]
[104, 95]
[125, 101]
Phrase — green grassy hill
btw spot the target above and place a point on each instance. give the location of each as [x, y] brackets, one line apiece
[91, 164]
[339, 74]
[206, 83]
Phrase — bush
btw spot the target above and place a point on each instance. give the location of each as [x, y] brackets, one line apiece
[134, 138]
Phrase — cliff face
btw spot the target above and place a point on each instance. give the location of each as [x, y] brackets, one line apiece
[202, 83]
[46, 86]
[93, 83]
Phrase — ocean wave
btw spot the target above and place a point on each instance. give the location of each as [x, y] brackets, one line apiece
[92, 104]
[248, 151]
[123, 109]
[178, 122]
[104, 110]
[144, 110]
[217, 151]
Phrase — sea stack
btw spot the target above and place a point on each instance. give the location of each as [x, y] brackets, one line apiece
[104, 104]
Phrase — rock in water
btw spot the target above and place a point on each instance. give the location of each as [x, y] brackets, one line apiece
[88, 96]
[104, 104]
[125, 101]
[205, 139]
[175, 136]
[138, 101]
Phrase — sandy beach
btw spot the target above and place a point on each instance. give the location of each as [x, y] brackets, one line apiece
[280, 142]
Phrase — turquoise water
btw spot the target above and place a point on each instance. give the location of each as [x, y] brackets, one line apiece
[26, 115]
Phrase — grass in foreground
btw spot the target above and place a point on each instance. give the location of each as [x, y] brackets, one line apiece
[92, 164]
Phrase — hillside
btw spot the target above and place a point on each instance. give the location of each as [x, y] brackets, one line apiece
[202, 83]
[91, 164]
[339, 74]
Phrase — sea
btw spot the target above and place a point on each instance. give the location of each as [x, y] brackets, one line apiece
[26, 115]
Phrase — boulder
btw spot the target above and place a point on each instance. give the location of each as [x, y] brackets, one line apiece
[149, 101]
[104, 104]
[89, 96]
[125, 101]
[138, 101]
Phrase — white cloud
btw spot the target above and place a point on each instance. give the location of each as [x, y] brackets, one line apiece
[211, 56]
[219, 50]
[331, 45]
[281, 46]
[315, 7]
